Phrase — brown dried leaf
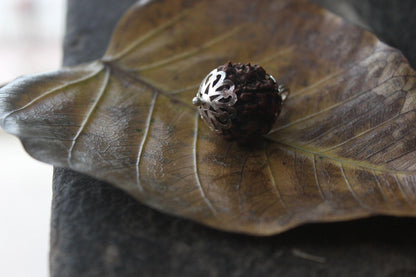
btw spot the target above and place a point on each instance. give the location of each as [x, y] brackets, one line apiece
[343, 148]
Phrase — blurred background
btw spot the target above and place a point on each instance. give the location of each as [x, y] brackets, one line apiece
[31, 34]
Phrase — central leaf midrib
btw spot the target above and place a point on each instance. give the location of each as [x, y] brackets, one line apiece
[337, 159]
[116, 70]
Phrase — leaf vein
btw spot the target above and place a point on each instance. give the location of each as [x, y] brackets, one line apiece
[359, 117]
[399, 184]
[384, 147]
[312, 115]
[353, 193]
[401, 155]
[144, 139]
[88, 116]
[383, 194]
[321, 193]
[364, 132]
[337, 73]
[316, 84]
[337, 159]
[273, 178]
[192, 52]
[146, 37]
[43, 95]
[195, 158]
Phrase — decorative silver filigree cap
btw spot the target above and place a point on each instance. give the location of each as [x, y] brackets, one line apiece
[215, 100]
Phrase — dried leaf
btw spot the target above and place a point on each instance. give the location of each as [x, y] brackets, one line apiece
[343, 147]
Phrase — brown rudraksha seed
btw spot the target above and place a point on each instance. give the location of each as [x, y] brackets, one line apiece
[240, 101]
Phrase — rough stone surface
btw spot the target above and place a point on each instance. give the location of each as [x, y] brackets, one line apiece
[98, 230]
